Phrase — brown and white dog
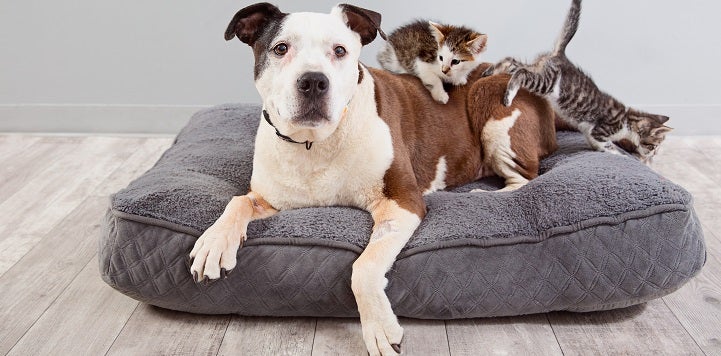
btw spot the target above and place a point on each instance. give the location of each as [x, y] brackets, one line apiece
[334, 132]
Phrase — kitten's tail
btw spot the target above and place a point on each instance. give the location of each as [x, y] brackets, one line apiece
[569, 28]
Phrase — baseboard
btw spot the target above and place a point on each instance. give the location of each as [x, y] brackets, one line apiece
[169, 119]
[123, 119]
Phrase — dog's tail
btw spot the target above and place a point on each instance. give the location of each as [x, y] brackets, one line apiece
[569, 28]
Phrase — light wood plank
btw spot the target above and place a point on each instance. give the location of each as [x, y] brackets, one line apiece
[144, 158]
[34, 282]
[84, 320]
[19, 169]
[157, 331]
[32, 211]
[649, 329]
[268, 336]
[344, 337]
[12, 145]
[67, 245]
[692, 166]
[697, 306]
[424, 337]
[338, 337]
[524, 335]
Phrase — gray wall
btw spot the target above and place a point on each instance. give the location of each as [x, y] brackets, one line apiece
[98, 65]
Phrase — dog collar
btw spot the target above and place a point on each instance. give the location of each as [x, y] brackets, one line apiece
[308, 144]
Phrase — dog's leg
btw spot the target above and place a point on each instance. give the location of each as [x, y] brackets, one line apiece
[393, 227]
[499, 154]
[216, 250]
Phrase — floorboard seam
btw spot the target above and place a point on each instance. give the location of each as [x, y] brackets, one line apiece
[558, 342]
[683, 326]
[448, 339]
[220, 344]
[65, 288]
[122, 329]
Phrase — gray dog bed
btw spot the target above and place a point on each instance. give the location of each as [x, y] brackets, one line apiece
[595, 231]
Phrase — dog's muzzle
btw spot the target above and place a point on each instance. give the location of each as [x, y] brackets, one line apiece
[313, 90]
[313, 85]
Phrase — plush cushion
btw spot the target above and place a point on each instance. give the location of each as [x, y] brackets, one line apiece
[595, 231]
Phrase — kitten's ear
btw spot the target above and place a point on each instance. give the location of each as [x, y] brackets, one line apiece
[478, 44]
[249, 22]
[661, 119]
[365, 22]
[661, 131]
[436, 31]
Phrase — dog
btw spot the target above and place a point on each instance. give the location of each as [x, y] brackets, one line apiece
[335, 132]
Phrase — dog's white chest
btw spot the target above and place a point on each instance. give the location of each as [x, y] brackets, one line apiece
[346, 171]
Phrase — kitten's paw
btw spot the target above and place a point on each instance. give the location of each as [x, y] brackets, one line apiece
[440, 96]
[511, 92]
[611, 148]
[489, 71]
[508, 99]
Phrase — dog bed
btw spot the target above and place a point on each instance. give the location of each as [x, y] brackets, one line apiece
[595, 231]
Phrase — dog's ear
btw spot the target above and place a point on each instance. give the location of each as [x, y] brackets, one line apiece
[249, 22]
[365, 22]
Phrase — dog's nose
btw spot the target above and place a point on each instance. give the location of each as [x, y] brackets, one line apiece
[313, 84]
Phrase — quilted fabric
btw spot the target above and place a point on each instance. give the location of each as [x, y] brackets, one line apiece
[595, 231]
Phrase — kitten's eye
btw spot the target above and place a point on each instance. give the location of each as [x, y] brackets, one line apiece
[280, 49]
[340, 51]
[441, 58]
[650, 147]
[455, 61]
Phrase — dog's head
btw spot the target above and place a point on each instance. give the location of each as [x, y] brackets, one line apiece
[306, 64]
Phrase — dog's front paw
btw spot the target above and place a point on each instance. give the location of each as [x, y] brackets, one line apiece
[214, 254]
[382, 335]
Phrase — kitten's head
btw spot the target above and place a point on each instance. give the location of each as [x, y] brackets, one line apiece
[651, 133]
[459, 50]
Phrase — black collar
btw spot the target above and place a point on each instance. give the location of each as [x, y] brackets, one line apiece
[308, 144]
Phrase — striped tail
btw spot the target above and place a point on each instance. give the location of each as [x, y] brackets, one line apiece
[569, 28]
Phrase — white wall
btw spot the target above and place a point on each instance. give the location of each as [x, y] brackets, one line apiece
[99, 65]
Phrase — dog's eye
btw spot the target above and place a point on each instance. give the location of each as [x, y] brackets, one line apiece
[340, 51]
[455, 61]
[441, 58]
[280, 49]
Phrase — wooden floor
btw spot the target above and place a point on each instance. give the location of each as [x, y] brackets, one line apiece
[54, 192]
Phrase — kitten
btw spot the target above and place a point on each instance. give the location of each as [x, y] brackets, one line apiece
[434, 53]
[580, 103]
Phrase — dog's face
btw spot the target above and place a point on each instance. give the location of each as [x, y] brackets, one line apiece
[306, 64]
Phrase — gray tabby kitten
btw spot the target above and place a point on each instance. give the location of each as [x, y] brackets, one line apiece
[434, 53]
[580, 103]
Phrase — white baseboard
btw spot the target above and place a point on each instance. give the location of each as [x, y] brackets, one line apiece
[124, 119]
[169, 119]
